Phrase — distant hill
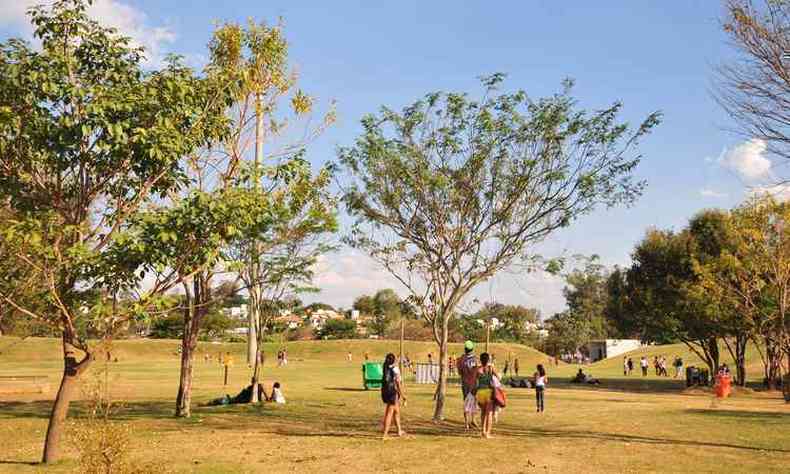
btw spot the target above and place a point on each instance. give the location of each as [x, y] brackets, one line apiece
[48, 350]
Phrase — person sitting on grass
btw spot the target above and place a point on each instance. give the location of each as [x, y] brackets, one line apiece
[245, 396]
[277, 394]
[391, 395]
[581, 377]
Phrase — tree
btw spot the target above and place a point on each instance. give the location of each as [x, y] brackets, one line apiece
[752, 278]
[567, 333]
[754, 87]
[87, 138]
[275, 261]
[586, 297]
[338, 329]
[451, 190]
[662, 303]
[513, 321]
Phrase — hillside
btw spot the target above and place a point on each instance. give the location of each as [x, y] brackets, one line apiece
[45, 350]
[614, 365]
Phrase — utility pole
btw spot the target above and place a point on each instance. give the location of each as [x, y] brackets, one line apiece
[400, 357]
[253, 312]
[488, 333]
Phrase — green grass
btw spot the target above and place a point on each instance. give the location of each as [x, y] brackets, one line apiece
[330, 423]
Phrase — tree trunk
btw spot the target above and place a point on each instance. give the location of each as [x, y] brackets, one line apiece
[738, 353]
[60, 409]
[441, 388]
[256, 375]
[196, 308]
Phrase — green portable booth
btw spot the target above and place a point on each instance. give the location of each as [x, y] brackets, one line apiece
[372, 373]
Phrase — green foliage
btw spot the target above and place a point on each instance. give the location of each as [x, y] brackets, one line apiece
[87, 137]
[338, 329]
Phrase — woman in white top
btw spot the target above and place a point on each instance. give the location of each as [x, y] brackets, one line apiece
[277, 394]
[392, 395]
[541, 379]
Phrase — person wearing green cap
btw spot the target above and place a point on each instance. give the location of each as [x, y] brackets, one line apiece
[467, 369]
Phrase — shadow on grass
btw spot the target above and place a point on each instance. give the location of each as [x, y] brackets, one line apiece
[18, 463]
[763, 417]
[347, 389]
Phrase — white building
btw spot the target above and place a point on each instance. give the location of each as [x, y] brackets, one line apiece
[606, 348]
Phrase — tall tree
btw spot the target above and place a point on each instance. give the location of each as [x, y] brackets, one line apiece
[451, 190]
[274, 260]
[86, 138]
[586, 297]
[754, 87]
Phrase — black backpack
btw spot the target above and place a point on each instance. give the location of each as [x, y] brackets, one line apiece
[388, 388]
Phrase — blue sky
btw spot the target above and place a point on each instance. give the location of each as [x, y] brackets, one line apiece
[650, 55]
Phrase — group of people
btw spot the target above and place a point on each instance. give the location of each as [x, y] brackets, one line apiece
[245, 396]
[481, 389]
[659, 366]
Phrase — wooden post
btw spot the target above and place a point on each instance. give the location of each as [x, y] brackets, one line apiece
[488, 334]
[226, 376]
[400, 357]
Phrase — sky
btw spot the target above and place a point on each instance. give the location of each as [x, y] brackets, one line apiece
[362, 55]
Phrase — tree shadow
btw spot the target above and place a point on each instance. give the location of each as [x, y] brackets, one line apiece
[763, 417]
[18, 463]
[347, 389]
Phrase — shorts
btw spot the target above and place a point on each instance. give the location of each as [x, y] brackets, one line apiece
[484, 397]
[466, 390]
[389, 398]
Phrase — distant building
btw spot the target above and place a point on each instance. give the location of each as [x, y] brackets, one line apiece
[318, 317]
[603, 349]
[291, 321]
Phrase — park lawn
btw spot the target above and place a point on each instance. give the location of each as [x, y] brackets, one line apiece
[330, 423]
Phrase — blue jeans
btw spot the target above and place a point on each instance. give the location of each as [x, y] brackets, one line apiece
[539, 391]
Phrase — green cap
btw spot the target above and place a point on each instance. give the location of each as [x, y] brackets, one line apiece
[469, 345]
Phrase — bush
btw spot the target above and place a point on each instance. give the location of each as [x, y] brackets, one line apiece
[338, 329]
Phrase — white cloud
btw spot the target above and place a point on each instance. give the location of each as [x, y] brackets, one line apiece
[348, 274]
[748, 159]
[128, 20]
[711, 193]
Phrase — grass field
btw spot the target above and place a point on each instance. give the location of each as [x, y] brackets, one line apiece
[330, 423]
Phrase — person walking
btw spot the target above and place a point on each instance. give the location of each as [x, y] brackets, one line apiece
[515, 366]
[485, 394]
[541, 379]
[643, 363]
[467, 370]
[391, 394]
[678, 366]
[630, 365]
[625, 365]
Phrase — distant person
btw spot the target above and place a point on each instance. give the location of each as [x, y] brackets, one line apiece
[625, 365]
[643, 363]
[678, 366]
[541, 379]
[349, 357]
[430, 358]
[467, 370]
[485, 394]
[515, 366]
[366, 356]
[655, 365]
[505, 369]
[277, 394]
[285, 356]
[450, 365]
[723, 384]
[630, 365]
[391, 394]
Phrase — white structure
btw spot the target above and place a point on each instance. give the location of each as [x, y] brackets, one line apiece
[606, 348]
[354, 314]
[426, 373]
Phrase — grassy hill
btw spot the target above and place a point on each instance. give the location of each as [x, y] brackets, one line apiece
[45, 349]
[614, 365]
